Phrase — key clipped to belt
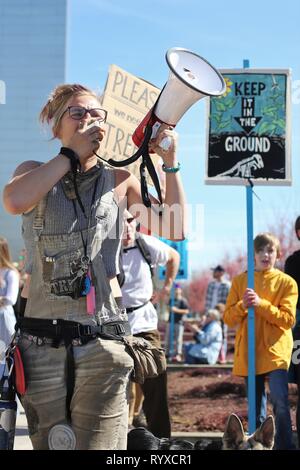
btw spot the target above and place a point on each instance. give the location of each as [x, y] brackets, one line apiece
[81, 282]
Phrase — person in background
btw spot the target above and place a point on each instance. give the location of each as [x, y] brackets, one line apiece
[208, 340]
[223, 352]
[19, 307]
[137, 292]
[274, 299]
[9, 287]
[217, 290]
[178, 310]
[292, 267]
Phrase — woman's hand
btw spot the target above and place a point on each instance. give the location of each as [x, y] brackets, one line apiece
[86, 140]
[169, 155]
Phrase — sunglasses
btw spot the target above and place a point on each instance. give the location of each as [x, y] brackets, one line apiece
[130, 220]
[78, 112]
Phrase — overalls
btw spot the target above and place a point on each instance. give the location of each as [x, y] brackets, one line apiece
[98, 410]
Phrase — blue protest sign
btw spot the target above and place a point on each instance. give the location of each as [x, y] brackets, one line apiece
[181, 247]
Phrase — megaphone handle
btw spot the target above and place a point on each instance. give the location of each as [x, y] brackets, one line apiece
[165, 143]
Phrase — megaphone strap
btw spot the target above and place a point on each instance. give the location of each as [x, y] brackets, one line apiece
[144, 187]
[140, 151]
[146, 163]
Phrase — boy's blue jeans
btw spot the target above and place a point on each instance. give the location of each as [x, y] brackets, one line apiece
[278, 384]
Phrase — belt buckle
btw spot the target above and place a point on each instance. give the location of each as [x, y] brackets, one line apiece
[88, 330]
[120, 329]
[56, 326]
[84, 330]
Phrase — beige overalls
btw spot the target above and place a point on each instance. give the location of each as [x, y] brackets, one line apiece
[98, 407]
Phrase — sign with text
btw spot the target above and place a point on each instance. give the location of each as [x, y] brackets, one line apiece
[249, 129]
[127, 100]
[181, 247]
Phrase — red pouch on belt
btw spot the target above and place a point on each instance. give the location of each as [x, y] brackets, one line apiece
[19, 372]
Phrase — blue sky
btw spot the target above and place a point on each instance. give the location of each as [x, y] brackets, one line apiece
[135, 35]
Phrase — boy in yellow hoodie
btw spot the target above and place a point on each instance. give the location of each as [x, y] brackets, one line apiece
[274, 299]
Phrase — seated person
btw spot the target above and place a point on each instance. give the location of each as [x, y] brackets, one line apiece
[209, 339]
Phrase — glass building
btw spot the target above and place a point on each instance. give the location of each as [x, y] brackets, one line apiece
[32, 63]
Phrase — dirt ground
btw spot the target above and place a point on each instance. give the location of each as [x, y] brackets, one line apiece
[202, 399]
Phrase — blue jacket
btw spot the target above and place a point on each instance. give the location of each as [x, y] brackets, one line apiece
[209, 342]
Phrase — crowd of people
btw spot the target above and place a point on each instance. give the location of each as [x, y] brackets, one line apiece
[87, 283]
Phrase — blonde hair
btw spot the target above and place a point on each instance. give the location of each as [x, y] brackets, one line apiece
[5, 259]
[220, 307]
[55, 107]
[213, 313]
[266, 238]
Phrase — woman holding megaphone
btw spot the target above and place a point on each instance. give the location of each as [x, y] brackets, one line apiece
[76, 366]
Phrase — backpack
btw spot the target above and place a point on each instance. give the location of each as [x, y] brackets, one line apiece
[144, 250]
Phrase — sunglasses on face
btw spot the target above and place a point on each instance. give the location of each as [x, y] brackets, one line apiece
[78, 112]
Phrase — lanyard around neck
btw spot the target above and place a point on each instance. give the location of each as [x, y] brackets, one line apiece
[89, 217]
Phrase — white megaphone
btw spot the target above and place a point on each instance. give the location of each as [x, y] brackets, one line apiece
[191, 78]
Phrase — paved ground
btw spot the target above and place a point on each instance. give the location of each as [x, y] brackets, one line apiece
[22, 441]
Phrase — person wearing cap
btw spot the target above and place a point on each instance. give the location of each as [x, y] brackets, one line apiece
[217, 290]
[208, 344]
[292, 267]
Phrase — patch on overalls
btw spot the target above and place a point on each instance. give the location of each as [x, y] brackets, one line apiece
[62, 286]
[74, 285]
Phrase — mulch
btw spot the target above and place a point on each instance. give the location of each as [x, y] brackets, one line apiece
[202, 399]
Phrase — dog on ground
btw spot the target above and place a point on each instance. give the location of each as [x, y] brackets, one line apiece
[234, 438]
[142, 439]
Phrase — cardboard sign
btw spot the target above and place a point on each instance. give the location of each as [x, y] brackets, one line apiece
[249, 129]
[127, 100]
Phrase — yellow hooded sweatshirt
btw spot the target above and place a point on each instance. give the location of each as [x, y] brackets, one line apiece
[274, 318]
